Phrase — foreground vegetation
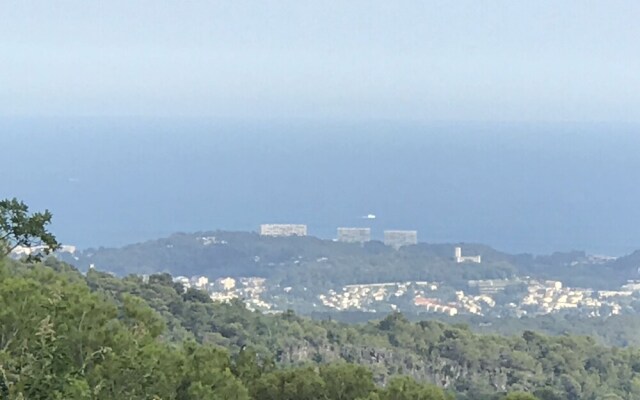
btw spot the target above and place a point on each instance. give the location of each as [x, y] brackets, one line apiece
[66, 336]
[60, 340]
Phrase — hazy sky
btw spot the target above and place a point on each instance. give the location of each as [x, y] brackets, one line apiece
[420, 60]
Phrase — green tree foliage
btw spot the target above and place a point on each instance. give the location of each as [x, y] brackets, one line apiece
[346, 381]
[290, 384]
[59, 339]
[520, 396]
[20, 228]
[207, 375]
[405, 388]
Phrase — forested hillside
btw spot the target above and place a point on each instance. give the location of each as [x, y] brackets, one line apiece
[59, 339]
[292, 260]
[449, 356]
[65, 335]
[615, 331]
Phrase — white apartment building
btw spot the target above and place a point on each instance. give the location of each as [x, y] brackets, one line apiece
[279, 230]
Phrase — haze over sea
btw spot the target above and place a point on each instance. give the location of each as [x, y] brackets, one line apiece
[518, 187]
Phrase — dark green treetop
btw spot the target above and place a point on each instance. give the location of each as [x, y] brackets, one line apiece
[20, 228]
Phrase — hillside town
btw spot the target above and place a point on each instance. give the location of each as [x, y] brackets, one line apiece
[528, 297]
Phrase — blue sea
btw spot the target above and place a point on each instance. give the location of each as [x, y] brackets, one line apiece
[519, 187]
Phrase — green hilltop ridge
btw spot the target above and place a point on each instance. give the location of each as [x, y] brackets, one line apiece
[220, 253]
